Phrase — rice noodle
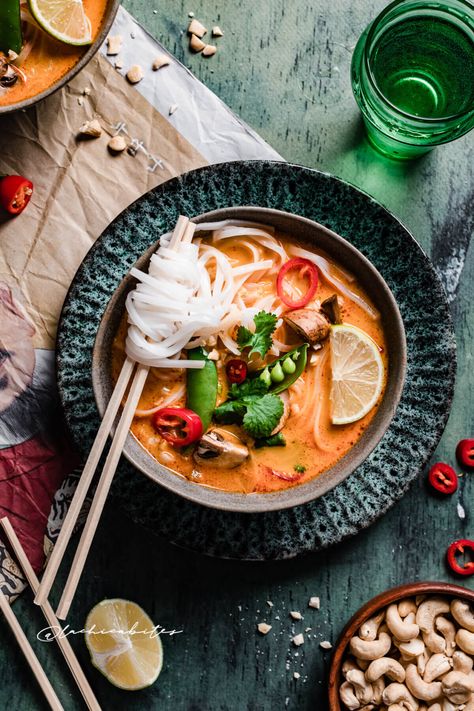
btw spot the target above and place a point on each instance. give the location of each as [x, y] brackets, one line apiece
[175, 395]
[317, 374]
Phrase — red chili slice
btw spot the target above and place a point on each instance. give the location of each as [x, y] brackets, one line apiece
[15, 193]
[465, 453]
[443, 478]
[286, 476]
[178, 425]
[461, 547]
[307, 270]
[236, 370]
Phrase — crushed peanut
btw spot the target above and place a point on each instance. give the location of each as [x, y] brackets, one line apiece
[196, 44]
[114, 44]
[86, 91]
[263, 628]
[209, 50]
[296, 615]
[213, 355]
[298, 640]
[172, 109]
[118, 64]
[325, 645]
[196, 28]
[217, 32]
[314, 602]
[12, 55]
[160, 61]
[117, 144]
[296, 675]
[269, 603]
[135, 74]
[91, 128]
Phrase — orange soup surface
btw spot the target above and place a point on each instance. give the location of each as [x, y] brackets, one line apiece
[49, 60]
[313, 443]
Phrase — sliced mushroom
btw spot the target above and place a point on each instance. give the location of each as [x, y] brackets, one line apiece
[8, 76]
[222, 449]
[311, 325]
[463, 614]
[330, 308]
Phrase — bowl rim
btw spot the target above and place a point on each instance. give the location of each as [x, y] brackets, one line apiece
[109, 17]
[292, 496]
[372, 606]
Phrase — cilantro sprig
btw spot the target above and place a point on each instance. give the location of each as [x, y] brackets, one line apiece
[260, 340]
[250, 405]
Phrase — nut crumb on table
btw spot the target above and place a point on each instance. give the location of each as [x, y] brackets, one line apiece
[263, 628]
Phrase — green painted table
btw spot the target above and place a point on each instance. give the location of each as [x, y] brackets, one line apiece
[284, 68]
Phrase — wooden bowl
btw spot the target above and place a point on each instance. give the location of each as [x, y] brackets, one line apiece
[109, 17]
[369, 610]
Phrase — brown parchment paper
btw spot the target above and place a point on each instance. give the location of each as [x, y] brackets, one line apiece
[79, 186]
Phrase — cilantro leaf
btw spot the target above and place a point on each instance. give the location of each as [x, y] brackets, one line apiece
[252, 386]
[260, 341]
[263, 414]
[230, 412]
[276, 440]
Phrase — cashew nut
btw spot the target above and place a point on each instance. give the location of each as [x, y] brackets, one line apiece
[401, 629]
[399, 694]
[348, 664]
[412, 649]
[462, 663]
[463, 614]
[375, 649]
[436, 666]
[386, 666]
[435, 707]
[406, 606]
[465, 640]
[362, 689]
[421, 661]
[370, 628]
[378, 687]
[396, 707]
[434, 642]
[458, 687]
[429, 610]
[448, 630]
[348, 697]
[419, 688]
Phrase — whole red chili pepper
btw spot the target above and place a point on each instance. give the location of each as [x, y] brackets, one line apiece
[236, 370]
[15, 193]
[443, 478]
[459, 548]
[465, 453]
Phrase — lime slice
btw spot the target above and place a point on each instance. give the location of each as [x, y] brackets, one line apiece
[63, 19]
[123, 644]
[357, 374]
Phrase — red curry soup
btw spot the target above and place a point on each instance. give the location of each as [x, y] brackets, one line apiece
[291, 370]
[42, 60]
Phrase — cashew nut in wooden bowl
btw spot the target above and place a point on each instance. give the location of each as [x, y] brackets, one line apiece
[410, 648]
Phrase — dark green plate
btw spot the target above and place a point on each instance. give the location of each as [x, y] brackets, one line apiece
[421, 416]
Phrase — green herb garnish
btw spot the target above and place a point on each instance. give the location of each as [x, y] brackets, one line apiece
[299, 468]
[276, 440]
[261, 340]
[250, 405]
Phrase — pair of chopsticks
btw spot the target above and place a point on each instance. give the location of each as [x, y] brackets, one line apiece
[183, 233]
[53, 622]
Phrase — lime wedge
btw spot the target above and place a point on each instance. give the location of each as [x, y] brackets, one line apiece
[123, 644]
[65, 20]
[357, 374]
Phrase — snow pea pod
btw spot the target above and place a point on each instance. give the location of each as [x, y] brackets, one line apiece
[10, 26]
[299, 357]
[201, 387]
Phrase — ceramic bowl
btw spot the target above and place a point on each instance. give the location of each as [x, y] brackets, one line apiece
[109, 17]
[370, 609]
[350, 258]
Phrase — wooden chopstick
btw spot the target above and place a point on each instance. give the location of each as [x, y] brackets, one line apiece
[30, 656]
[63, 642]
[180, 232]
[84, 483]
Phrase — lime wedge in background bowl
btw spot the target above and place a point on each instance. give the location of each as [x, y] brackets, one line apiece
[65, 20]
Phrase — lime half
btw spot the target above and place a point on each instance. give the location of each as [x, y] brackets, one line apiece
[124, 644]
[65, 20]
[357, 374]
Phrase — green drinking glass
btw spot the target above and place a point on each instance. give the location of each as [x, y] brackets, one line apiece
[413, 75]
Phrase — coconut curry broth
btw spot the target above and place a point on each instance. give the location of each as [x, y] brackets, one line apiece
[49, 60]
[308, 399]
